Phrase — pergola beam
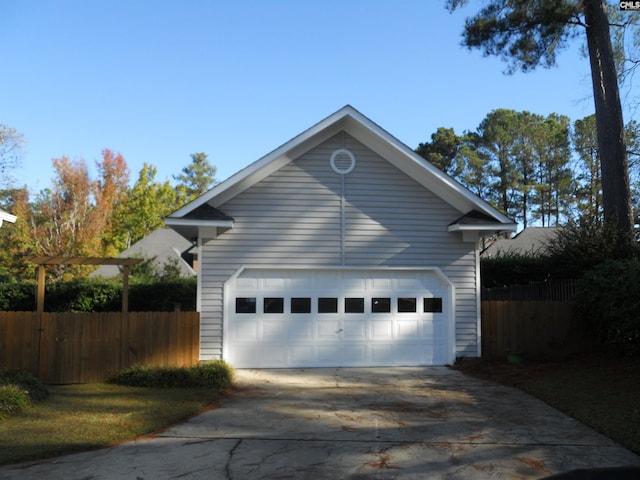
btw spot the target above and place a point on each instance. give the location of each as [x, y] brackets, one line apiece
[41, 262]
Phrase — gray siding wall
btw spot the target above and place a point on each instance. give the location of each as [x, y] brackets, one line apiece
[293, 217]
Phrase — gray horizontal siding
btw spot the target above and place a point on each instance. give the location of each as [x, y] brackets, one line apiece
[292, 217]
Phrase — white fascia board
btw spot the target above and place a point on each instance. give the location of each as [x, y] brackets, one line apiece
[502, 227]
[183, 222]
[6, 216]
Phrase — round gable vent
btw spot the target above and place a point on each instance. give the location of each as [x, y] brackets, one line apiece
[343, 161]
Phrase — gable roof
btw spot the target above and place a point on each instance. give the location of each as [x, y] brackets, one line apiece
[371, 135]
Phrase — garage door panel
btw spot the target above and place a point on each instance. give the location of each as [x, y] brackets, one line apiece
[435, 329]
[354, 354]
[245, 329]
[328, 329]
[381, 354]
[354, 329]
[301, 354]
[328, 355]
[301, 329]
[381, 329]
[272, 355]
[273, 330]
[406, 354]
[410, 328]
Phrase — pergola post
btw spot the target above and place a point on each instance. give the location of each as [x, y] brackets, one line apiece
[125, 289]
[40, 291]
[41, 262]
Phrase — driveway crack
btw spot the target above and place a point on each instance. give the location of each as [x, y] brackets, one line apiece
[227, 467]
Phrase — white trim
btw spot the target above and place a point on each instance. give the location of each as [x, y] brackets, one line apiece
[456, 227]
[184, 222]
[6, 216]
[478, 303]
[449, 287]
[199, 276]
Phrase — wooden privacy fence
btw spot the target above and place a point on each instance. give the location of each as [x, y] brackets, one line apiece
[535, 328]
[90, 347]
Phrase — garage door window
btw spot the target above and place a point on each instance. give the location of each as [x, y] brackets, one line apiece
[433, 305]
[246, 305]
[380, 305]
[273, 305]
[354, 305]
[327, 305]
[300, 305]
[406, 305]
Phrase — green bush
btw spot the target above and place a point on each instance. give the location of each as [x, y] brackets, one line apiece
[516, 269]
[83, 296]
[18, 390]
[608, 300]
[102, 296]
[13, 399]
[163, 296]
[31, 384]
[215, 374]
[17, 297]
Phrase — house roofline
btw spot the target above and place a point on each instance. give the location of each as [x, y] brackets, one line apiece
[370, 134]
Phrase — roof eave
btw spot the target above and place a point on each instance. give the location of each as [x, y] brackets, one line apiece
[7, 217]
[182, 222]
[497, 227]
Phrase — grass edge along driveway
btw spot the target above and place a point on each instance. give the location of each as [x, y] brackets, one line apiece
[77, 418]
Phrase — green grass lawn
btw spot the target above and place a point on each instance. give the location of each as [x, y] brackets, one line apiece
[81, 417]
[600, 391]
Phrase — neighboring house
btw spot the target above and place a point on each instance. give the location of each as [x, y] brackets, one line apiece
[162, 247]
[342, 247]
[530, 241]
[6, 217]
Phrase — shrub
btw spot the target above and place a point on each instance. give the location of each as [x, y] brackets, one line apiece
[101, 296]
[18, 297]
[13, 399]
[26, 381]
[215, 374]
[608, 300]
[516, 269]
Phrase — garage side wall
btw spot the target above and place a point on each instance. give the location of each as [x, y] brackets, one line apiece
[305, 214]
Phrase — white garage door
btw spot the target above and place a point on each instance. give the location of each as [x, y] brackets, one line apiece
[320, 318]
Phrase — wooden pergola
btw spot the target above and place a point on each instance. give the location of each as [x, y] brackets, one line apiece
[42, 262]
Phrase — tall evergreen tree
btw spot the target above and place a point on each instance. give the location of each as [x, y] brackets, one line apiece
[529, 34]
[196, 178]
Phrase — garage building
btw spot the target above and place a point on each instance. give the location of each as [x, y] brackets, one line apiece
[342, 247]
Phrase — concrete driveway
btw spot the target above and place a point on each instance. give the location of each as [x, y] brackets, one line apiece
[368, 423]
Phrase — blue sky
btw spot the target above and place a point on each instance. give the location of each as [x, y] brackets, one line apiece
[159, 80]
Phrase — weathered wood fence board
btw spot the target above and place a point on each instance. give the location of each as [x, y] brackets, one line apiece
[537, 328]
[89, 347]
